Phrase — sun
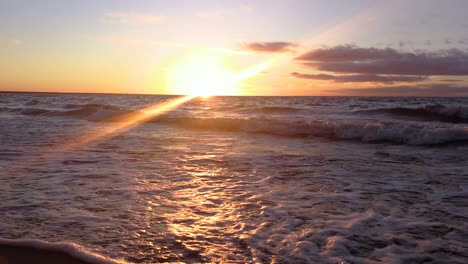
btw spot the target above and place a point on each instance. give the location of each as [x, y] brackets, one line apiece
[202, 75]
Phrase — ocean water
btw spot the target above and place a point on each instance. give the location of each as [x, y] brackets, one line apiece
[237, 179]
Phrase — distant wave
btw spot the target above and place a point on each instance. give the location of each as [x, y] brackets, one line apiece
[451, 114]
[70, 249]
[275, 109]
[394, 132]
[32, 102]
[400, 133]
[25, 110]
[92, 112]
[89, 105]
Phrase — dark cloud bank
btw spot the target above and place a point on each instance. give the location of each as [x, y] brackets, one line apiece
[352, 59]
[269, 47]
[352, 64]
[360, 78]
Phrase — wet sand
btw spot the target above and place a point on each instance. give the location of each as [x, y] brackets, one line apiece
[27, 255]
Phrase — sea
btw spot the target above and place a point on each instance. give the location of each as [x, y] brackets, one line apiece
[236, 179]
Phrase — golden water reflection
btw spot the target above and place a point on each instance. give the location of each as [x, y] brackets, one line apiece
[206, 209]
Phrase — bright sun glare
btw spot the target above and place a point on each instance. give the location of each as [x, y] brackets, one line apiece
[202, 75]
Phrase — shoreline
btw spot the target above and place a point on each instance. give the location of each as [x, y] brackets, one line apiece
[26, 255]
[25, 251]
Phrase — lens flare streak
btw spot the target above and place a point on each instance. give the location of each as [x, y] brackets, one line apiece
[119, 125]
[128, 121]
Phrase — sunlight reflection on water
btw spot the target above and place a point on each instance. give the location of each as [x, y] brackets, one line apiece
[162, 193]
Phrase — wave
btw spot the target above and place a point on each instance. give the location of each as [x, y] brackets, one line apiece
[92, 112]
[241, 108]
[394, 132]
[25, 111]
[32, 102]
[73, 250]
[275, 109]
[401, 133]
[89, 105]
[95, 112]
[450, 114]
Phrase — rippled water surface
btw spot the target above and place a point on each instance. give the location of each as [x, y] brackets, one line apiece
[239, 179]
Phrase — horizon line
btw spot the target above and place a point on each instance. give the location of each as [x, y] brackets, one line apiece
[172, 95]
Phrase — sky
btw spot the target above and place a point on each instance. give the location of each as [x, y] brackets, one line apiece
[370, 48]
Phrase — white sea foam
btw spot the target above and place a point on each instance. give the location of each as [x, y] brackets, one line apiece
[396, 132]
[293, 122]
[290, 183]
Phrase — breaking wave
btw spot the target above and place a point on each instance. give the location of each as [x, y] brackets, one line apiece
[92, 112]
[275, 109]
[73, 250]
[451, 114]
[401, 133]
[410, 133]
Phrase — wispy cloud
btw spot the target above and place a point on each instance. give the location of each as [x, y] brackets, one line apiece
[137, 41]
[130, 18]
[247, 7]
[12, 41]
[373, 78]
[222, 13]
[211, 14]
[119, 40]
[269, 47]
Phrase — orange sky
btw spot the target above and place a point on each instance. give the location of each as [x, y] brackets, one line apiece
[141, 47]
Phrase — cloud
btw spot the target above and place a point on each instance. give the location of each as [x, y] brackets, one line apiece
[212, 14]
[463, 41]
[130, 18]
[347, 53]
[247, 7]
[387, 79]
[450, 80]
[12, 41]
[269, 47]
[119, 39]
[352, 59]
[422, 90]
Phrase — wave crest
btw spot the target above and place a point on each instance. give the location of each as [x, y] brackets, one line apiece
[395, 132]
[276, 109]
[92, 112]
[412, 134]
[451, 114]
[70, 249]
